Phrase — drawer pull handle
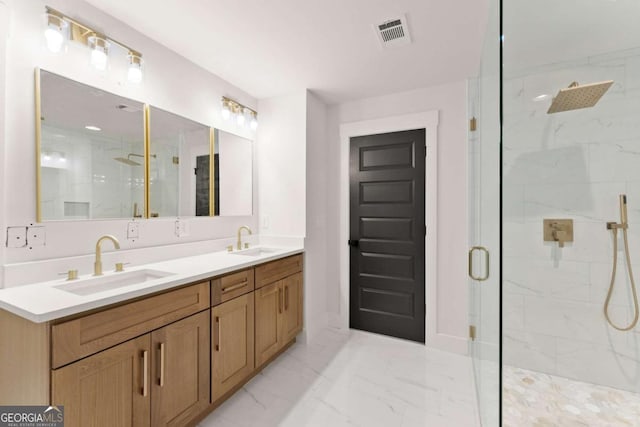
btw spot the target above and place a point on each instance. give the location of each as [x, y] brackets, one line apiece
[161, 378]
[234, 287]
[145, 373]
[218, 335]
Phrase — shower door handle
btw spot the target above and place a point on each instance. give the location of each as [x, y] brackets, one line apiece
[486, 263]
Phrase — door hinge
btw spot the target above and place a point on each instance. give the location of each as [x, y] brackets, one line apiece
[473, 124]
[472, 332]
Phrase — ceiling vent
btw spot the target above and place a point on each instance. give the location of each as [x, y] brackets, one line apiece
[394, 32]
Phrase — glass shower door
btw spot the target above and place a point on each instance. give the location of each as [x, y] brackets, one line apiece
[484, 225]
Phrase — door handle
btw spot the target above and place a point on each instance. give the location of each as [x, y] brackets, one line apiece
[486, 263]
[354, 243]
[161, 377]
[145, 373]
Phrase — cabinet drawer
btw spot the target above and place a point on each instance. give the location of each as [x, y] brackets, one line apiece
[231, 286]
[86, 335]
[276, 270]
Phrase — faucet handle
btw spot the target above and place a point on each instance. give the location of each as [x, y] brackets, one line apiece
[246, 245]
[120, 266]
[71, 274]
[230, 248]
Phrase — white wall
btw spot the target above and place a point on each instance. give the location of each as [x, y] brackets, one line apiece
[171, 83]
[317, 269]
[4, 34]
[571, 165]
[280, 147]
[450, 101]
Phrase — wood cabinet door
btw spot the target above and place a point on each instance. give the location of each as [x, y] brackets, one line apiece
[180, 370]
[268, 319]
[109, 389]
[232, 351]
[292, 311]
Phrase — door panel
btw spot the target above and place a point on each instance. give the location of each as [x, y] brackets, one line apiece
[268, 308]
[387, 217]
[232, 353]
[106, 389]
[292, 312]
[180, 370]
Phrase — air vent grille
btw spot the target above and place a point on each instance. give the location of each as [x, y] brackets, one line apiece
[393, 32]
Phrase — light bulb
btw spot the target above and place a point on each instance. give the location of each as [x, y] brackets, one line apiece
[99, 59]
[254, 123]
[240, 117]
[54, 38]
[134, 75]
[226, 111]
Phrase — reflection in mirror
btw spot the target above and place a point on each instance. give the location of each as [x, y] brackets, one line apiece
[179, 167]
[234, 182]
[91, 152]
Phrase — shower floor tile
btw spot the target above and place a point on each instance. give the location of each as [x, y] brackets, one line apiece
[540, 400]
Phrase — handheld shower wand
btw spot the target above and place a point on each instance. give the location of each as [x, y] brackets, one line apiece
[623, 225]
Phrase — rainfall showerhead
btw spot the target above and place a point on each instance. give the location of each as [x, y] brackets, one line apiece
[576, 96]
[128, 161]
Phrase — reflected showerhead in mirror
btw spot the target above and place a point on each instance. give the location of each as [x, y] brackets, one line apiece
[128, 161]
[579, 96]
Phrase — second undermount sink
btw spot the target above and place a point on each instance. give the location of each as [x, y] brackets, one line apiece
[255, 251]
[111, 281]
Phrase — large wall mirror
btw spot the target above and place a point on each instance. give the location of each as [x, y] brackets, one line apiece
[94, 155]
[234, 179]
[179, 166]
[90, 152]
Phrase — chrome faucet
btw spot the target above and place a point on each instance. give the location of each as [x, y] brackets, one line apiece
[240, 233]
[97, 266]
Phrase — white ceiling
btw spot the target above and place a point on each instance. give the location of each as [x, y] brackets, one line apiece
[274, 47]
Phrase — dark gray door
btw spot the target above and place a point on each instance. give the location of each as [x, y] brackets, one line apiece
[387, 234]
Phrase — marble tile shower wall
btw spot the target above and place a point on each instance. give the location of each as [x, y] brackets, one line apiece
[571, 165]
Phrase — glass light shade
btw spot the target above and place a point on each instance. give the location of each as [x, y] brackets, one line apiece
[55, 39]
[134, 72]
[240, 117]
[254, 123]
[99, 59]
[226, 111]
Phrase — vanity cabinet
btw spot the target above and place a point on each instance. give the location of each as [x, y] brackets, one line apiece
[166, 359]
[278, 306]
[157, 374]
[232, 350]
[158, 379]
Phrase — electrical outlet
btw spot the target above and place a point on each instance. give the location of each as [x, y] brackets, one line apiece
[16, 237]
[182, 228]
[36, 236]
[132, 230]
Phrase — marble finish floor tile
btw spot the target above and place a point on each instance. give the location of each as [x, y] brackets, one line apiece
[540, 400]
[355, 378]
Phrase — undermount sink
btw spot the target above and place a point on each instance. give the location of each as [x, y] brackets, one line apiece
[111, 281]
[255, 251]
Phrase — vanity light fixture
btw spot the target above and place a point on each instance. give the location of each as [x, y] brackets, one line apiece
[99, 43]
[243, 115]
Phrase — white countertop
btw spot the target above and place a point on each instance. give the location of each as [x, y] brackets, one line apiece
[43, 302]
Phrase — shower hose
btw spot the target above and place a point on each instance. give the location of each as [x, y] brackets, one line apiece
[613, 279]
